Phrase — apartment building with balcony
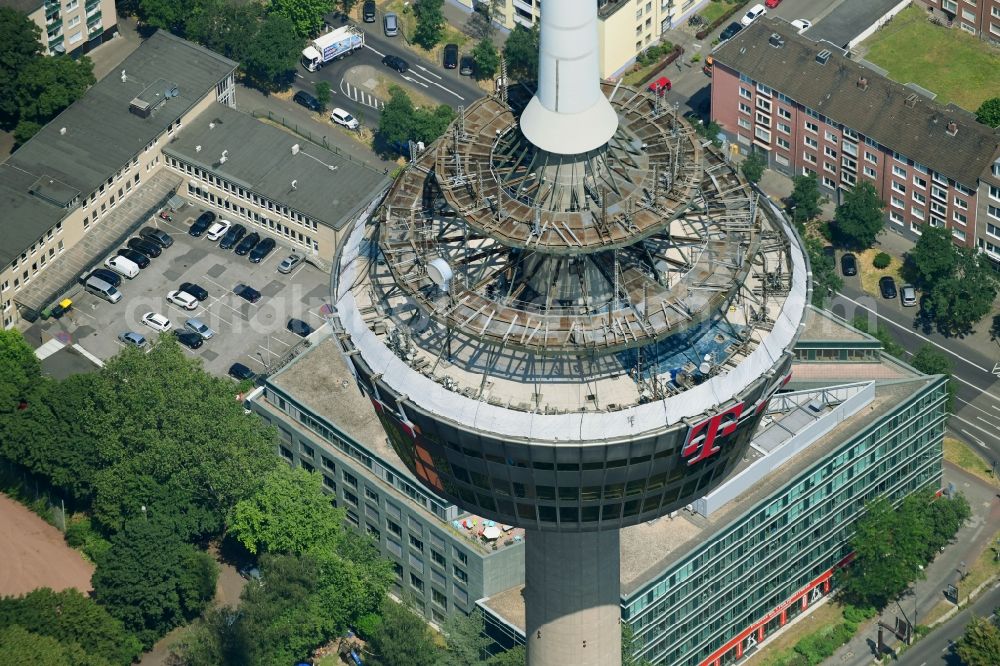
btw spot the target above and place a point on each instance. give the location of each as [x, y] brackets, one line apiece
[976, 17]
[811, 109]
[69, 26]
[625, 27]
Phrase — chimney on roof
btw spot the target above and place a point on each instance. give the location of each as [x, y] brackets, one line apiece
[911, 101]
[952, 128]
[863, 83]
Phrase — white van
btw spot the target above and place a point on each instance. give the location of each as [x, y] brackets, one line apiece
[120, 264]
[99, 287]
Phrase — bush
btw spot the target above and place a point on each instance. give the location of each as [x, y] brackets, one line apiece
[857, 615]
[881, 260]
[368, 625]
[80, 533]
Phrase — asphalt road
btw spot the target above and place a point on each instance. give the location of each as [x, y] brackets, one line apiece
[936, 648]
[977, 415]
[444, 86]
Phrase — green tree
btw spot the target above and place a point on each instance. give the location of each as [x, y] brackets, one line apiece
[323, 94]
[19, 46]
[859, 218]
[933, 362]
[270, 64]
[226, 27]
[980, 643]
[46, 86]
[630, 647]
[151, 580]
[430, 22]
[826, 280]
[753, 166]
[957, 303]
[71, 618]
[512, 657]
[480, 24]
[306, 16]
[401, 122]
[289, 513]
[486, 58]
[882, 566]
[465, 643]
[21, 371]
[347, 5]
[169, 15]
[403, 639]
[20, 646]
[521, 53]
[220, 638]
[988, 112]
[805, 198]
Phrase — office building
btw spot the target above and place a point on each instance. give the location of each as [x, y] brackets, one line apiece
[705, 585]
[69, 26]
[811, 109]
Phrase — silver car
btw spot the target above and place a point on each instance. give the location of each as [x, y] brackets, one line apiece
[390, 25]
[908, 295]
[133, 339]
[199, 327]
[289, 263]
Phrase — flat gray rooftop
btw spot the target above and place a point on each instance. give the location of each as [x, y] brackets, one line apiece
[96, 135]
[316, 182]
[821, 325]
[849, 20]
[320, 381]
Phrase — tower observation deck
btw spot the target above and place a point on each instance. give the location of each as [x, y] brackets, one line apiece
[576, 339]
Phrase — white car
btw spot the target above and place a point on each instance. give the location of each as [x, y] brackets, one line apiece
[755, 13]
[801, 25]
[342, 117]
[183, 299]
[218, 230]
[156, 321]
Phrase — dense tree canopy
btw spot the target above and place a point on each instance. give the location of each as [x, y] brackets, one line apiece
[931, 360]
[988, 112]
[980, 644]
[19, 46]
[20, 646]
[487, 60]
[891, 546]
[859, 218]
[958, 302]
[933, 258]
[753, 166]
[401, 122]
[403, 639]
[826, 279]
[805, 198]
[430, 22]
[306, 15]
[521, 53]
[72, 619]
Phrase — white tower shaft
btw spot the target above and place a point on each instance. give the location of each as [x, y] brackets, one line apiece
[569, 114]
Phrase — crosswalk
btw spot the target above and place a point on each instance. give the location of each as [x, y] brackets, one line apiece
[360, 96]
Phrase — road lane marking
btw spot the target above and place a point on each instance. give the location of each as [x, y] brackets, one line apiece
[375, 50]
[447, 90]
[973, 425]
[424, 69]
[421, 83]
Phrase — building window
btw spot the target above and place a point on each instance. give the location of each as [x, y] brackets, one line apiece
[782, 127]
[829, 182]
[745, 108]
[439, 599]
[416, 543]
[961, 203]
[830, 136]
[871, 157]
[919, 198]
[784, 113]
[830, 152]
[920, 182]
[897, 202]
[898, 171]
[812, 127]
[783, 143]
[895, 217]
[995, 192]
[938, 193]
[744, 123]
[371, 494]
[437, 558]
[898, 188]
[762, 134]
[829, 167]
[959, 234]
[416, 583]
[350, 479]
[764, 104]
[744, 93]
[811, 142]
[461, 575]
[763, 119]
[917, 212]
[811, 159]
[960, 218]
[870, 172]
[393, 527]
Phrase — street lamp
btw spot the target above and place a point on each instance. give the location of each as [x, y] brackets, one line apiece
[143, 507]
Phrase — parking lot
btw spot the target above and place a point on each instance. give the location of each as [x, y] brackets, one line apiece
[254, 334]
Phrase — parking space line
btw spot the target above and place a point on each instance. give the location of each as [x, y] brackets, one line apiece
[279, 341]
[320, 317]
[257, 361]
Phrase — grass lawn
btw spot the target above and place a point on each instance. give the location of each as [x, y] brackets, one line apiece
[715, 9]
[983, 569]
[961, 454]
[780, 652]
[871, 275]
[947, 61]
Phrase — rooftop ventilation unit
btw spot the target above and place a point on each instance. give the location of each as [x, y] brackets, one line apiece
[776, 40]
[911, 101]
[153, 97]
[823, 56]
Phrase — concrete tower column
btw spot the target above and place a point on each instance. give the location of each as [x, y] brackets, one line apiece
[572, 598]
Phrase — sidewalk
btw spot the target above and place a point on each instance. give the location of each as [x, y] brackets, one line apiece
[968, 544]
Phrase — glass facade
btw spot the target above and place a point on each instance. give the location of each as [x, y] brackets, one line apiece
[786, 543]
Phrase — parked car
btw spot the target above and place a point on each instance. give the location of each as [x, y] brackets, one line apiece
[261, 250]
[396, 63]
[156, 321]
[755, 13]
[450, 56]
[218, 230]
[342, 117]
[247, 244]
[189, 339]
[148, 248]
[240, 372]
[467, 66]
[199, 327]
[299, 327]
[122, 266]
[132, 339]
[908, 295]
[203, 222]
[182, 299]
[289, 263]
[660, 85]
[801, 25]
[305, 99]
[368, 11]
[390, 24]
[195, 290]
[848, 264]
[246, 292]
[887, 286]
[111, 277]
[137, 258]
[154, 235]
[730, 31]
[232, 236]
[771, 4]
